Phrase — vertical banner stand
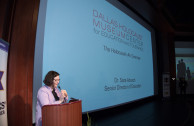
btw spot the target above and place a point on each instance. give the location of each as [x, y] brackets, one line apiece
[4, 46]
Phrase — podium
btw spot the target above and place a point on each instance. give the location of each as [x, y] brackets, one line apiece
[67, 114]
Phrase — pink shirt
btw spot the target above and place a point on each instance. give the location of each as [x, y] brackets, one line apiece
[45, 97]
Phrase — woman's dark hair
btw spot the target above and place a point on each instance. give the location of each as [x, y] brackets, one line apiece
[48, 80]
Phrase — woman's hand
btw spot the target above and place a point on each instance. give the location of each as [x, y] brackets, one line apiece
[61, 98]
[64, 93]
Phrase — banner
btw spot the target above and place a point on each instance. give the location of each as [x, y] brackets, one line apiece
[4, 46]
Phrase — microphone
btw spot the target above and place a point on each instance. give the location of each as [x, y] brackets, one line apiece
[59, 87]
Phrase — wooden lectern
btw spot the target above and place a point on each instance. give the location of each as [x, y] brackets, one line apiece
[67, 114]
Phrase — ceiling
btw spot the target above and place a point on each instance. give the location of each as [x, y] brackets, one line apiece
[179, 13]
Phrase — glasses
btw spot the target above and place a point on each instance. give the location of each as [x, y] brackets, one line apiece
[56, 79]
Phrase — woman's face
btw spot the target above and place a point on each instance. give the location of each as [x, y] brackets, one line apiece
[56, 81]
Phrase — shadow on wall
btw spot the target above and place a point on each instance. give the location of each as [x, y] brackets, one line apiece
[18, 112]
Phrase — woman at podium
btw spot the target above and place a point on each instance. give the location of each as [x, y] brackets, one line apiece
[49, 94]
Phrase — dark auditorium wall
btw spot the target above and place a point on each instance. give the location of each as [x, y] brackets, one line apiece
[18, 22]
[165, 35]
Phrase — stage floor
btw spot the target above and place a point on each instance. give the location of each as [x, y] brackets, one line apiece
[178, 111]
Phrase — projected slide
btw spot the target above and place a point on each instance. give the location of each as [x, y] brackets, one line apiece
[104, 57]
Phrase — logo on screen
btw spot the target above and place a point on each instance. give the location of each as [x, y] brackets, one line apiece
[1, 75]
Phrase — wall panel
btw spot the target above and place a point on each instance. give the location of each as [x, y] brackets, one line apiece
[20, 62]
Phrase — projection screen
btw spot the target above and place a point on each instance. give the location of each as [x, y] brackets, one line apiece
[105, 53]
